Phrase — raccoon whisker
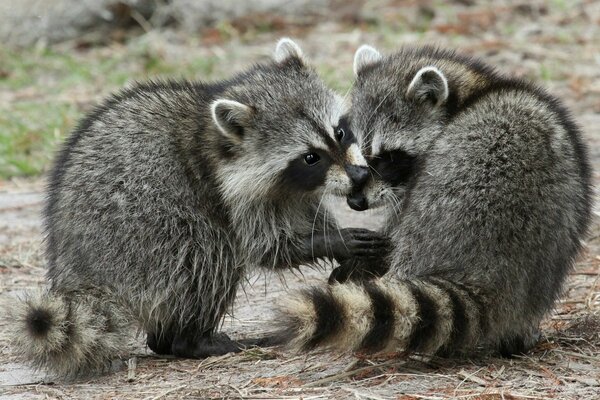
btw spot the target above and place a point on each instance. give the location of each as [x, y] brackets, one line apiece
[339, 231]
[337, 227]
[373, 169]
[364, 148]
[397, 203]
[327, 244]
[312, 232]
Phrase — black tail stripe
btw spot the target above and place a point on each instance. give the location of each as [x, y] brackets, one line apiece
[460, 322]
[382, 325]
[329, 316]
[479, 304]
[428, 318]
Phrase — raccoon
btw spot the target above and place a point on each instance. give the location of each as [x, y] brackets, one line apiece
[486, 180]
[169, 192]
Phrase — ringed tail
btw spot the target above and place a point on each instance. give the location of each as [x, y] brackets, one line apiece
[69, 335]
[429, 316]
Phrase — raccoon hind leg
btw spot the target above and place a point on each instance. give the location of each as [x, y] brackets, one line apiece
[160, 342]
[206, 345]
[519, 344]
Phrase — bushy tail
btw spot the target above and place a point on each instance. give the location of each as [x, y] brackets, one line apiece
[428, 316]
[70, 335]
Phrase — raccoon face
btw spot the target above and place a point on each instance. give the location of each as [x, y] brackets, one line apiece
[397, 112]
[285, 136]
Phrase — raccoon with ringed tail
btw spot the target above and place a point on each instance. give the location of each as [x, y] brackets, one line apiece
[487, 182]
[169, 192]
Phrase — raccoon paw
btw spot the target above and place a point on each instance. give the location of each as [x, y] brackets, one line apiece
[361, 243]
[359, 270]
[519, 345]
[204, 346]
[160, 344]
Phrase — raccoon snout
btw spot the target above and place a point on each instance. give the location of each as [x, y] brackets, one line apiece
[358, 175]
[357, 201]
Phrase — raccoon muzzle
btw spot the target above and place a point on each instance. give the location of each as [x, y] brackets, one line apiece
[357, 201]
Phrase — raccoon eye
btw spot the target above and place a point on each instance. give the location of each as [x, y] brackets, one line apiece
[339, 134]
[311, 158]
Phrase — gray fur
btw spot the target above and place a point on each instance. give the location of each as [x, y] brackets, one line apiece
[492, 213]
[164, 197]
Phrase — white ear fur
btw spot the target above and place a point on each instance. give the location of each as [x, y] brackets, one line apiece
[231, 117]
[286, 48]
[365, 56]
[429, 80]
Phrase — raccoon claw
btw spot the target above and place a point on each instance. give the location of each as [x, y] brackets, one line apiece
[205, 346]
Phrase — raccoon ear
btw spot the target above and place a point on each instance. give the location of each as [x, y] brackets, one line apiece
[287, 48]
[231, 117]
[429, 84]
[365, 56]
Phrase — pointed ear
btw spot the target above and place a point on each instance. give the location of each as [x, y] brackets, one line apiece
[365, 56]
[287, 48]
[232, 118]
[429, 84]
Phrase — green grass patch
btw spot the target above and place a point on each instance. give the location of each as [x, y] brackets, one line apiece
[41, 92]
[30, 133]
[339, 79]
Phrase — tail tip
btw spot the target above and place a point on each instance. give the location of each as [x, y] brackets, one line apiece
[39, 321]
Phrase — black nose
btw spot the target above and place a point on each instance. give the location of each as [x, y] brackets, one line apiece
[358, 174]
[357, 201]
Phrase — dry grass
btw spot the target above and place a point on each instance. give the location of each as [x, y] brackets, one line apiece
[564, 365]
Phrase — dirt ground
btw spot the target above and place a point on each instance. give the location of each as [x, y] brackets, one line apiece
[556, 43]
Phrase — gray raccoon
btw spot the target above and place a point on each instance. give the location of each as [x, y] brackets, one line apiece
[488, 186]
[167, 193]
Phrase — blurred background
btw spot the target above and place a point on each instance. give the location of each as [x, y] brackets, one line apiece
[58, 58]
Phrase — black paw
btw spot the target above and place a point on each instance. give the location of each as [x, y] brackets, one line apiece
[160, 344]
[359, 270]
[204, 346]
[518, 345]
[362, 243]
